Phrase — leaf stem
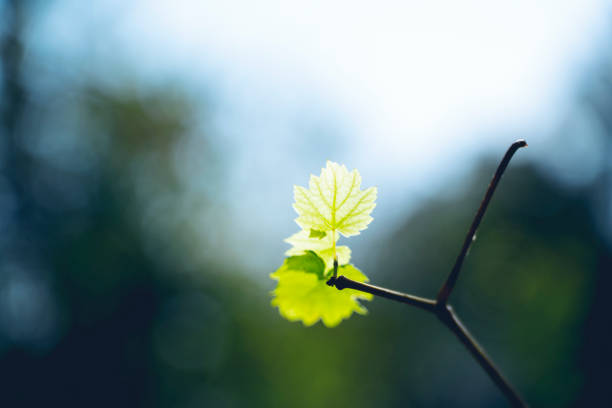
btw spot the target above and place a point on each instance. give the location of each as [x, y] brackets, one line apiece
[334, 244]
[334, 253]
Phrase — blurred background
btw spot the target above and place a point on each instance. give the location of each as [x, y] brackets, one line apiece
[148, 152]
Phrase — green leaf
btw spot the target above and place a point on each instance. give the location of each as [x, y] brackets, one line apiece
[310, 262]
[302, 296]
[302, 242]
[317, 234]
[333, 205]
[334, 202]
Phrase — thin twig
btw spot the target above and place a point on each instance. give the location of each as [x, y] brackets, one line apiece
[342, 282]
[449, 285]
[439, 306]
[449, 318]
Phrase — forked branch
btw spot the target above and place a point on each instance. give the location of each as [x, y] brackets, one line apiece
[439, 306]
[449, 285]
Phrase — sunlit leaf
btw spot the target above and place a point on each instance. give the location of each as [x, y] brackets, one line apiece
[304, 296]
[334, 202]
[309, 262]
[302, 242]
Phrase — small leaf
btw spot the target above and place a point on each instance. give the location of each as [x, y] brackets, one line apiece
[334, 202]
[302, 242]
[317, 234]
[302, 296]
[310, 262]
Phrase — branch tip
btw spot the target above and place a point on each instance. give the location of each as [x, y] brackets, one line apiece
[449, 284]
[520, 143]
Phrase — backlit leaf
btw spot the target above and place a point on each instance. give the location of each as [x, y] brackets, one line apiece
[303, 296]
[334, 202]
[309, 262]
[302, 242]
[333, 205]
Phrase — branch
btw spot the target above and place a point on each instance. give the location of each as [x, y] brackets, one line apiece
[439, 306]
[342, 282]
[448, 317]
[449, 285]
[446, 314]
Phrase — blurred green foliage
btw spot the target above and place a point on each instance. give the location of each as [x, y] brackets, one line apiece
[138, 330]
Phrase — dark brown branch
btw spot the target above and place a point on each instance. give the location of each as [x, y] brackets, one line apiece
[342, 282]
[449, 285]
[446, 315]
[439, 306]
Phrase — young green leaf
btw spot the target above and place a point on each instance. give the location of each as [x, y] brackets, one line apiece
[317, 234]
[334, 202]
[303, 296]
[309, 262]
[324, 247]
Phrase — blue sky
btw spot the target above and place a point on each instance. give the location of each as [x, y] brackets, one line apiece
[410, 93]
